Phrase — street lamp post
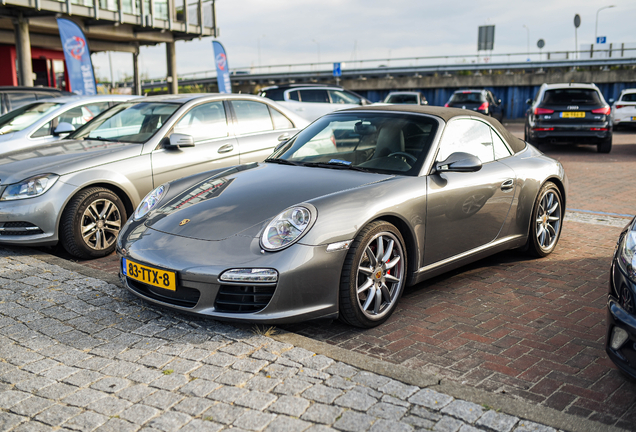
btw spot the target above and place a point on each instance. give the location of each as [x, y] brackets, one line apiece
[528, 29]
[596, 27]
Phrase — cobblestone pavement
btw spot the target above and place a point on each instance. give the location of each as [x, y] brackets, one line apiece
[78, 353]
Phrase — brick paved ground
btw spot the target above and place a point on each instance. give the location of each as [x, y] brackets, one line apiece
[80, 354]
[530, 328]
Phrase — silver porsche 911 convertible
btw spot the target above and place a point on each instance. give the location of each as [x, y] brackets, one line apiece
[342, 217]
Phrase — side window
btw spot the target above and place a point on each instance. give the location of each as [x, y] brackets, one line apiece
[252, 117]
[293, 95]
[468, 136]
[17, 99]
[501, 151]
[315, 96]
[43, 131]
[340, 97]
[203, 122]
[280, 121]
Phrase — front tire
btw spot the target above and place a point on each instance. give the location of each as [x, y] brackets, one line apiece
[91, 222]
[373, 276]
[546, 221]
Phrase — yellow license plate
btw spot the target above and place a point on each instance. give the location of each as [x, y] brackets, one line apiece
[149, 275]
[573, 114]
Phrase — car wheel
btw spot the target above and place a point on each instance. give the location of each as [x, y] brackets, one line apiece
[546, 221]
[91, 222]
[526, 136]
[605, 146]
[373, 276]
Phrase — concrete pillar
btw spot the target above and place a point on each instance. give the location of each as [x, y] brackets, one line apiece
[171, 58]
[23, 48]
[136, 77]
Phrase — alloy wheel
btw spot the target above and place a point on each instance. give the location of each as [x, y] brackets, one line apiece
[548, 222]
[100, 224]
[380, 275]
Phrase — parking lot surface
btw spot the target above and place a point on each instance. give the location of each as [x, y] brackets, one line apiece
[531, 329]
[79, 353]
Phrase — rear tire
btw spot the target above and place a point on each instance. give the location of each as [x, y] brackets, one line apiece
[91, 222]
[546, 221]
[605, 146]
[373, 276]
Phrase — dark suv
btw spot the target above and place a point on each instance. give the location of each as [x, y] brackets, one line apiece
[482, 101]
[569, 113]
[14, 97]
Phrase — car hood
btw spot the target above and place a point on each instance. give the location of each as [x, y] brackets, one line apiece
[227, 204]
[62, 157]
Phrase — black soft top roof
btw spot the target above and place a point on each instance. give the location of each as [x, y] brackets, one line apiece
[446, 114]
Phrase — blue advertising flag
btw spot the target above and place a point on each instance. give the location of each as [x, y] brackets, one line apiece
[77, 57]
[222, 68]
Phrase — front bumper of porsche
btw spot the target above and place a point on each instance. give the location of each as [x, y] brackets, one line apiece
[307, 285]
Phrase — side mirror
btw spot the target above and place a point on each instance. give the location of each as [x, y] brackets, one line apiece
[181, 140]
[459, 162]
[63, 128]
[612, 100]
[528, 101]
[498, 101]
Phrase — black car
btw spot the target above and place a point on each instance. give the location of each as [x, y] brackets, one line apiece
[482, 101]
[14, 97]
[569, 113]
[620, 341]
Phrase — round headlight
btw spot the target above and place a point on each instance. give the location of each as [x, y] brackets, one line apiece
[286, 228]
[150, 201]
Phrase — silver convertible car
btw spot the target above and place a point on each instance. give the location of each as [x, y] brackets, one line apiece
[342, 217]
[81, 190]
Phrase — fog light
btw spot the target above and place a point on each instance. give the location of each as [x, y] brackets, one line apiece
[250, 275]
[619, 336]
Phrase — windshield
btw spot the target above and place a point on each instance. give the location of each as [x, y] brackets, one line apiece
[463, 97]
[128, 122]
[402, 99]
[570, 96]
[25, 116]
[377, 142]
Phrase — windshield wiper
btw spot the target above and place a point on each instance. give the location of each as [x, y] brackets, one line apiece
[98, 138]
[337, 164]
[283, 161]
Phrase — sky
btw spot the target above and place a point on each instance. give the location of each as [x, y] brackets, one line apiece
[308, 31]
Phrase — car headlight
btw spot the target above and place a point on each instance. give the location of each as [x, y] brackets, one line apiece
[627, 254]
[29, 188]
[150, 201]
[286, 228]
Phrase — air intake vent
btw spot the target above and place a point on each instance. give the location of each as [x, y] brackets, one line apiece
[243, 298]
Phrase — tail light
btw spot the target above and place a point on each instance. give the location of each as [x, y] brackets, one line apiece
[483, 107]
[543, 129]
[605, 110]
[620, 106]
[539, 111]
[599, 129]
[446, 104]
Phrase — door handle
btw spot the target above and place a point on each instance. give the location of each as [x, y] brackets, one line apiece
[508, 185]
[226, 148]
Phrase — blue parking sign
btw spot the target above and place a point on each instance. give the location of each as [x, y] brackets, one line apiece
[337, 71]
[601, 39]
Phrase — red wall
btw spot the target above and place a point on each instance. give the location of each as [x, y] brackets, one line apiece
[8, 73]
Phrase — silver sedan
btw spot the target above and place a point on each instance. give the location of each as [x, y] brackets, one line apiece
[81, 190]
[51, 119]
